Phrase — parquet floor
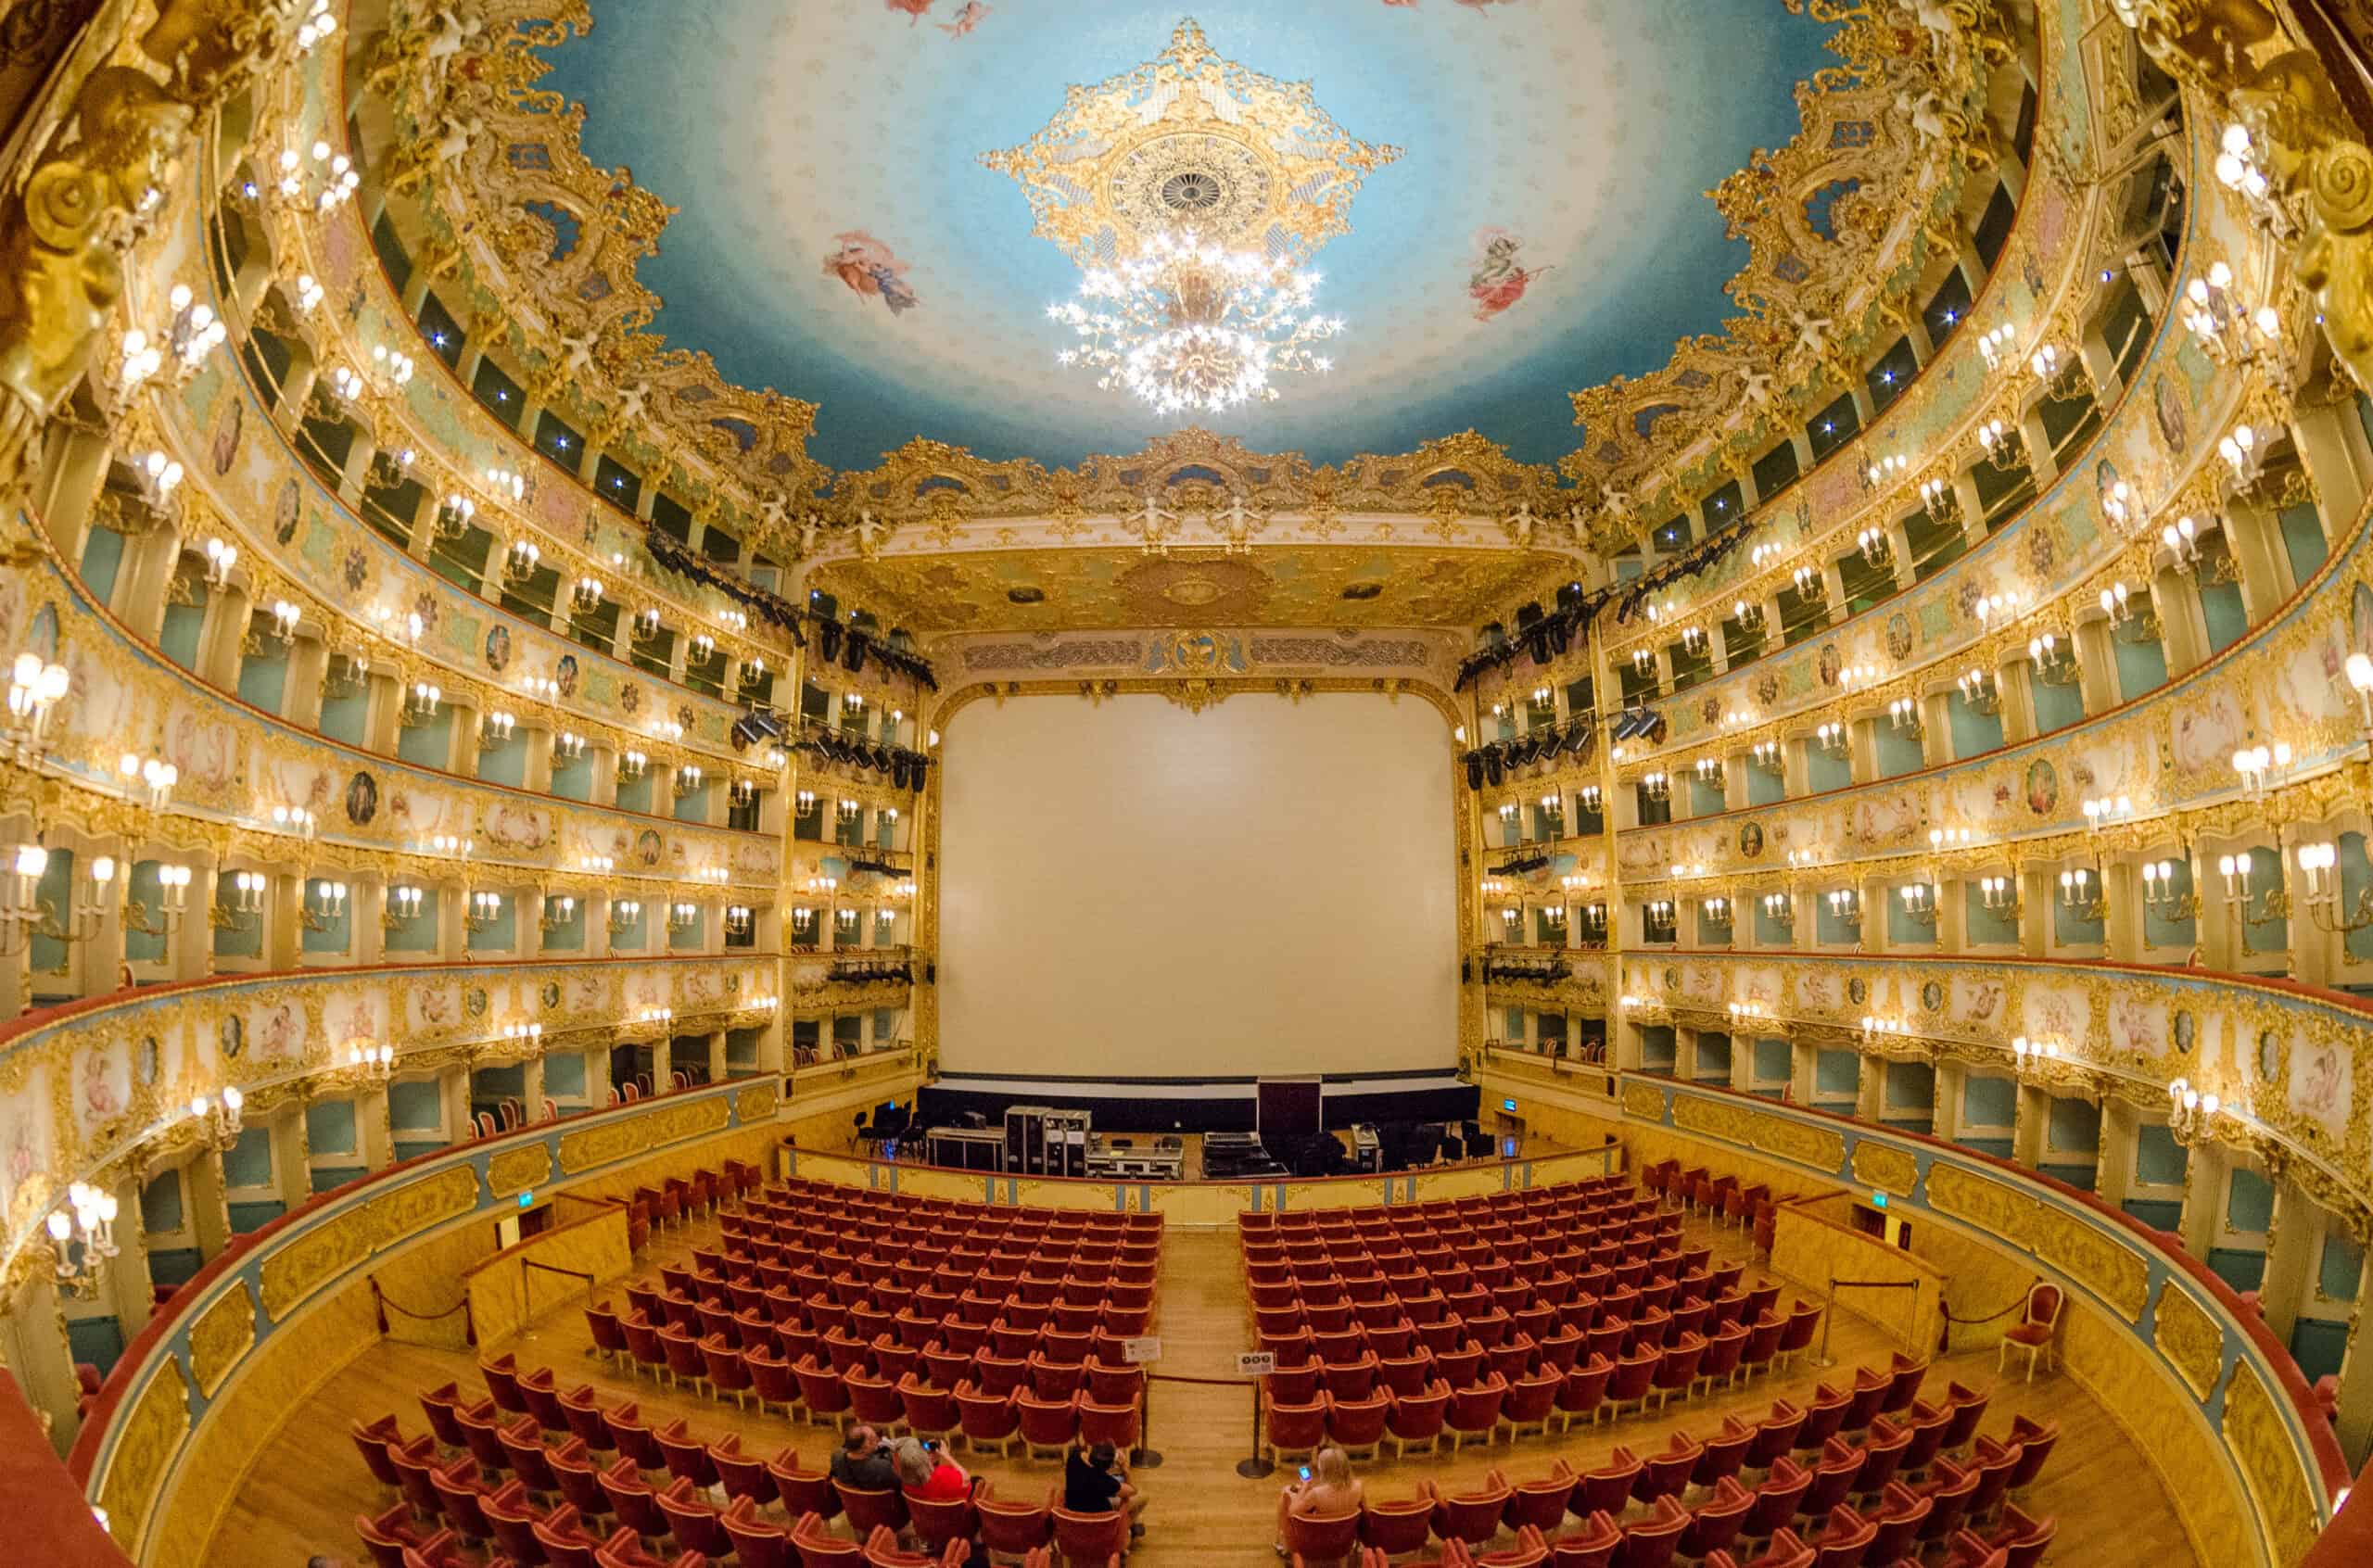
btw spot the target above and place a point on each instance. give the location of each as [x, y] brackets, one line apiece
[307, 1484]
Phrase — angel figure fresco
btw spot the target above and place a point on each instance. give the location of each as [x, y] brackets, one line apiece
[867, 266]
[1498, 281]
[914, 9]
[973, 14]
[99, 1097]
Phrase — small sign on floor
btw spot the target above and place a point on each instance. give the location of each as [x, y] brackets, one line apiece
[1144, 1348]
[1255, 1363]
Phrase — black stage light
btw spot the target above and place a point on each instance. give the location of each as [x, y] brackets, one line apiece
[829, 640]
[1578, 734]
[1475, 770]
[852, 657]
[1494, 765]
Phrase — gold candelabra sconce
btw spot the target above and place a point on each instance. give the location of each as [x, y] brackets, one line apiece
[2160, 894]
[2030, 1060]
[2052, 659]
[422, 700]
[1831, 738]
[2193, 1115]
[1979, 692]
[1919, 902]
[740, 920]
[484, 910]
[81, 1239]
[2249, 910]
[559, 911]
[456, 515]
[172, 901]
[244, 907]
[2085, 895]
[625, 914]
[1940, 500]
[2132, 616]
[632, 765]
[1845, 908]
[325, 908]
[1999, 897]
[1903, 717]
[1655, 786]
[1659, 920]
[2062, 375]
[2320, 890]
[403, 906]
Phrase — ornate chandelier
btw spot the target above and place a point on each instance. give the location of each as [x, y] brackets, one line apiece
[1191, 327]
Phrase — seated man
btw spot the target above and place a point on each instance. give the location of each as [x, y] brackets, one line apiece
[1097, 1481]
[864, 1462]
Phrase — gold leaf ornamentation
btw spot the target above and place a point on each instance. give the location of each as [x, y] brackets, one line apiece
[220, 1337]
[518, 1170]
[1876, 1164]
[2189, 1339]
[152, 1433]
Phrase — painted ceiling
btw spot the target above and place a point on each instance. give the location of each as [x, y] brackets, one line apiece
[1543, 228]
[1052, 590]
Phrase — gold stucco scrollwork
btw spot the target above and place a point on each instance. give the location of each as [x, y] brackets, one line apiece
[757, 1103]
[2261, 1444]
[1987, 1204]
[2189, 1339]
[294, 1272]
[1876, 1165]
[2085, 1253]
[222, 1334]
[518, 1170]
[1645, 1101]
[150, 1438]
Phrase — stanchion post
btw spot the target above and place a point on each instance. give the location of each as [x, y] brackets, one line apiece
[1256, 1467]
[1828, 1316]
[1145, 1456]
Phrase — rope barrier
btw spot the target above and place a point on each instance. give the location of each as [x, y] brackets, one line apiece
[382, 1297]
[1953, 1317]
[549, 1268]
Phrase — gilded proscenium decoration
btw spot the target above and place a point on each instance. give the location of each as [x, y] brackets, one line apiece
[1190, 141]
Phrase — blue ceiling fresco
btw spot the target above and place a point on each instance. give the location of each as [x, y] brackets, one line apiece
[1545, 227]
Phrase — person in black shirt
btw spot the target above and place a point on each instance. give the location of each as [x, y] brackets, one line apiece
[865, 1462]
[1095, 1481]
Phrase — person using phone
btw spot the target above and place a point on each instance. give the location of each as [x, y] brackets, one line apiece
[927, 1472]
[1326, 1487]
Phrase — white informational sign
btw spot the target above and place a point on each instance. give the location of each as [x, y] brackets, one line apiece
[1255, 1363]
[1147, 1348]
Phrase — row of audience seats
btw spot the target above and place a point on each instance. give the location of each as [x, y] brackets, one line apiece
[1894, 1496]
[572, 1483]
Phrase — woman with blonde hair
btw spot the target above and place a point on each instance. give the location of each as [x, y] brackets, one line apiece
[1330, 1489]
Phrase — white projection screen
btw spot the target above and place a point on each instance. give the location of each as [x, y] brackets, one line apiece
[1132, 890]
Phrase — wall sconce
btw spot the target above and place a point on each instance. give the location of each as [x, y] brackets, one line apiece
[2127, 623]
[2261, 767]
[743, 794]
[587, 594]
[1746, 614]
[646, 624]
[1507, 812]
[1845, 907]
[596, 862]
[740, 921]
[1942, 839]
[2101, 811]
[825, 885]
[1765, 754]
[1919, 904]
[1655, 786]
[1746, 1012]
[335, 171]
[1998, 347]
[2001, 442]
[33, 691]
[519, 563]
[2159, 890]
[219, 1120]
[2229, 334]
[403, 906]
[689, 779]
[327, 906]
[496, 727]
[173, 899]
[1643, 662]
[2032, 1058]
[1717, 909]
[1903, 715]
[2002, 606]
[153, 777]
[219, 559]
[1811, 587]
[2078, 897]
[1999, 895]
[1885, 470]
[1939, 500]
[1875, 1029]
[1853, 676]
[523, 1033]
[1798, 859]
[449, 843]
[682, 917]
[455, 517]
[1979, 692]
[625, 915]
[374, 1064]
[296, 820]
[2241, 454]
[655, 1015]
[2121, 506]
[702, 647]
[421, 699]
[1594, 916]
[1709, 770]
[82, 1238]
[1831, 738]
[2317, 863]
[247, 890]
[2052, 666]
[568, 745]
[631, 765]
[1592, 798]
[484, 910]
[717, 874]
[669, 730]
[1658, 916]
[1692, 639]
[1779, 908]
[2191, 1116]
[558, 912]
[1876, 547]
[540, 688]
[2062, 376]
[506, 484]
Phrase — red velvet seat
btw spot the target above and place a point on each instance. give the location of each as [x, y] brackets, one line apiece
[1008, 1525]
[1717, 1520]
[1650, 1542]
[1417, 1418]
[1049, 1426]
[1540, 1501]
[1593, 1545]
[1607, 1488]
[1666, 1471]
[1470, 1517]
[803, 1492]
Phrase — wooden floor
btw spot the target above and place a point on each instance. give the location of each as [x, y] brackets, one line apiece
[307, 1484]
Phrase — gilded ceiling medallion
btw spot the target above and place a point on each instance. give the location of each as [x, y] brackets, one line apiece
[1189, 140]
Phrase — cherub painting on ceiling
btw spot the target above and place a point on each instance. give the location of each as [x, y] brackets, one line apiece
[1498, 280]
[973, 14]
[867, 266]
